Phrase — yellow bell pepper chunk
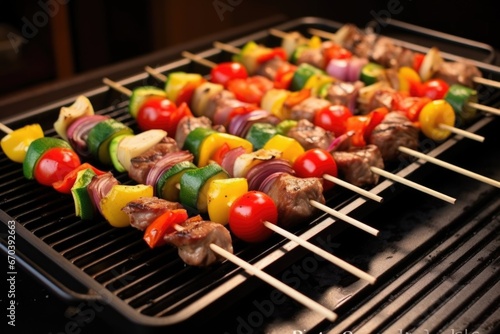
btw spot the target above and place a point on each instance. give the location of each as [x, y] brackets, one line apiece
[289, 147]
[407, 77]
[118, 197]
[316, 82]
[315, 42]
[273, 101]
[210, 145]
[435, 113]
[221, 195]
[16, 143]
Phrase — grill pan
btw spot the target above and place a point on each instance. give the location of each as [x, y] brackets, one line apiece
[147, 290]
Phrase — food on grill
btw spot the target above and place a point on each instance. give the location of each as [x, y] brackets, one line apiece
[316, 162]
[16, 143]
[248, 213]
[194, 239]
[81, 107]
[354, 164]
[48, 160]
[143, 211]
[311, 136]
[393, 131]
[293, 195]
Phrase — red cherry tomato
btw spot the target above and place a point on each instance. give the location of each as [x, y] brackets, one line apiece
[224, 72]
[376, 117]
[435, 89]
[335, 51]
[284, 75]
[316, 162]
[54, 164]
[250, 89]
[333, 118]
[271, 54]
[247, 214]
[158, 113]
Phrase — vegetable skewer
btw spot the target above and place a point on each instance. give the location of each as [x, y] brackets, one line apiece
[231, 48]
[310, 246]
[376, 171]
[333, 37]
[235, 50]
[331, 178]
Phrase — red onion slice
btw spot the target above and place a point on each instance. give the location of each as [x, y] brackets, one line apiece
[99, 187]
[165, 163]
[338, 68]
[229, 159]
[78, 132]
[257, 174]
[354, 70]
[266, 185]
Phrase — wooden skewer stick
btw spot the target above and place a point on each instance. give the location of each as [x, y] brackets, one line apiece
[486, 82]
[155, 74]
[226, 47]
[449, 166]
[304, 300]
[338, 181]
[461, 132]
[5, 128]
[198, 59]
[488, 109]
[344, 217]
[412, 184]
[324, 254]
[116, 86]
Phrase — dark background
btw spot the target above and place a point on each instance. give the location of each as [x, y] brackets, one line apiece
[62, 39]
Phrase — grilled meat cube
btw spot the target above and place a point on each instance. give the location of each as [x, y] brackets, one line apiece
[458, 72]
[143, 211]
[355, 164]
[307, 108]
[269, 68]
[217, 101]
[381, 98]
[194, 239]
[359, 43]
[188, 124]
[311, 136]
[344, 93]
[141, 165]
[394, 131]
[390, 55]
[292, 196]
[312, 56]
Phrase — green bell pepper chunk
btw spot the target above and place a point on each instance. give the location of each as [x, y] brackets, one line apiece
[302, 74]
[84, 206]
[459, 97]
[194, 140]
[260, 133]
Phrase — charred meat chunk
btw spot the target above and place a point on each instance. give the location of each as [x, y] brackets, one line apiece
[188, 124]
[292, 196]
[458, 72]
[344, 93]
[307, 108]
[355, 164]
[270, 68]
[141, 165]
[311, 136]
[194, 239]
[143, 211]
[394, 131]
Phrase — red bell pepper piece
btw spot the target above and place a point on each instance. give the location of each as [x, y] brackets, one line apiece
[64, 185]
[162, 225]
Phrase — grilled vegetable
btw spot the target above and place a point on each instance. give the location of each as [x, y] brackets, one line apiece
[260, 133]
[221, 195]
[167, 186]
[162, 225]
[215, 140]
[140, 95]
[459, 97]
[290, 148]
[435, 113]
[84, 206]
[119, 195]
[195, 184]
[100, 137]
[64, 186]
[16, 143]
[36, 149]
[67, 115]
[133, 146]
[180, 86]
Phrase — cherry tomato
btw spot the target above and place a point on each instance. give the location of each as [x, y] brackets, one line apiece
[316, 162]
[158, 113]
[273, 53]
[358, 125]
[224, 72]
[435, 89]
[333, 118]
[284, 75]
[247, 214]
[250, 89]
[54, 164]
